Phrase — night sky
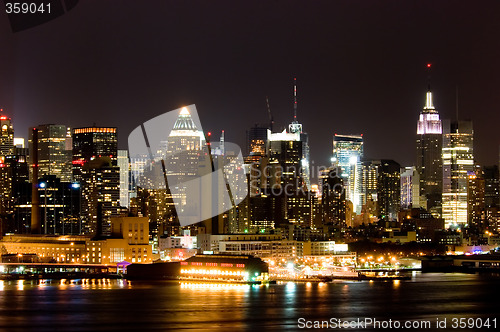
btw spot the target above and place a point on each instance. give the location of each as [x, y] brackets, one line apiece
[360, 67]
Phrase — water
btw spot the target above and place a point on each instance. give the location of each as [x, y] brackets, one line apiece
[118, 305]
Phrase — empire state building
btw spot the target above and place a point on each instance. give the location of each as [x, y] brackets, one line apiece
[429, 162]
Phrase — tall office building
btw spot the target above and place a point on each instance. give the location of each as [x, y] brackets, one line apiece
[257, 137]
[95, 169]
[124, 165]
[458, 162]
[492, 196]
[6, 135]
[389, 189]
[429, 162]
[54, 157]
[15, 194]
[347, 154]
[410, 188]
[100, 186]
[476, 202]
[59, 206]
[287, 179]
[333, 202]
[90, 143]
[181, 152]
[296, 128]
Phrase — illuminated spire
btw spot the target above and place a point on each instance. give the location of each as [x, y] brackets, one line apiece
[294, 99]
[295, 126]
[428, 98]
[428, 101]
[429, 121]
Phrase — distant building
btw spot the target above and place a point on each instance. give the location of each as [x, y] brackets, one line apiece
[124, 166]
[476, 202]
[53, 156]
[458, 161]
[95, 168]
[388, 189]
[410, 189]
[6, 135]
[129, 241]
[59, 206]
[347, 154]
[15, 194]
[429, 162]
[333, 196]
[100, 185]
[90, 143]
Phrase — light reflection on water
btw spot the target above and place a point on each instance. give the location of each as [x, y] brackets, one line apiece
[104, 304]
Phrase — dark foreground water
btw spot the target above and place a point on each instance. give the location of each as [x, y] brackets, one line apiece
[139, 306]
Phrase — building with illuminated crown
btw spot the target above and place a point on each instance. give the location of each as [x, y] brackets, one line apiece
[6, 135]
[429, 163]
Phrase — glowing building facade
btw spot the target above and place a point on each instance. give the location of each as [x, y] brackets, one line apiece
[458, 163]
[347, 154]
[54, 155]
[6, 135]
[429, 163]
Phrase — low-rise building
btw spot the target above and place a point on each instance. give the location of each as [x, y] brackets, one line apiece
[129, 241]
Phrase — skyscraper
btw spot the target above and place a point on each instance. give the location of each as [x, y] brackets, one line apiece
[296, 128]
[347, 154]
[458, 162]
[95, 152]
[100, 186]
[6, 135]
[388, 189]
[53, 156]
[93, 142]
[333, 202]
[124, 165]
[429, 163]
[410, 188]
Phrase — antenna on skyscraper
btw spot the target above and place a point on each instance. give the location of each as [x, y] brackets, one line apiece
[294, 99]
[222, 149]
[429, 77]
[271, 119]
[456, 100]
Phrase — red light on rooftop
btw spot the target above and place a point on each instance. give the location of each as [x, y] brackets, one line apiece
[428, 65]
[3, 117]
[209, 134]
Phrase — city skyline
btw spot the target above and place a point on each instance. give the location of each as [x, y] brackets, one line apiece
[371, 77]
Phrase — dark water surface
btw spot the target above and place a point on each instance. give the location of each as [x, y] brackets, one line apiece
[118, 305]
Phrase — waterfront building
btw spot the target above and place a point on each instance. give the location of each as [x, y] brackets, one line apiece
[128, 241]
